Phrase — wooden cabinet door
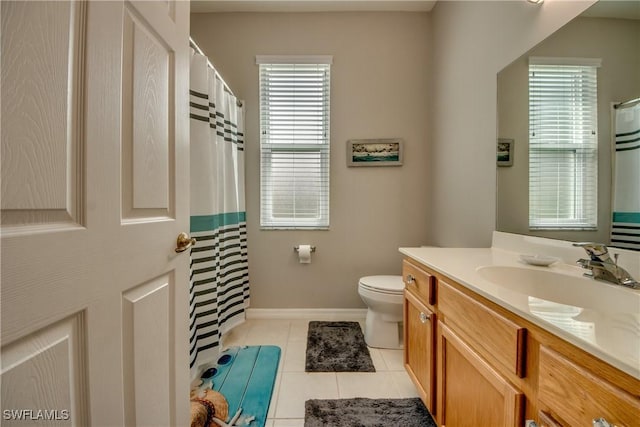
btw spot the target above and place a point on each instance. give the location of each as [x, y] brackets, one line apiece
[419, 356]
[470, 392]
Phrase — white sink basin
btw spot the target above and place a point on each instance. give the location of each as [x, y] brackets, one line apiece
[562, 288]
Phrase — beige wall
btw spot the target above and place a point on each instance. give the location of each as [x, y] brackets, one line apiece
[378, 89]
[615, 41]
[471, 42]
[428, 78]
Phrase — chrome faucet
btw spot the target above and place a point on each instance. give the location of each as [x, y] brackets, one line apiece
[602, 267]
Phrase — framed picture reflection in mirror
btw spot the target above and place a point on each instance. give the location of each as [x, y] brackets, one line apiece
[505, 152]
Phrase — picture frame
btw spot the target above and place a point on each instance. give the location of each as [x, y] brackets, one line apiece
[375, 152]
[504, 152]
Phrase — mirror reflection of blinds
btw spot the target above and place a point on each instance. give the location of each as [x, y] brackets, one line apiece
[563, 143]
[294, 144]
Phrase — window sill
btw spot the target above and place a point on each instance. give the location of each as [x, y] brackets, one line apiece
[293, 228]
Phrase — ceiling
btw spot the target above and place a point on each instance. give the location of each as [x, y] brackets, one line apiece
[627, 9]
[205, 6]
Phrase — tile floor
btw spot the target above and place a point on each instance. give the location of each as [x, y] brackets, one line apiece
[294, 386]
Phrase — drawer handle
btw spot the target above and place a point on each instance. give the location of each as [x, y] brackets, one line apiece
[410, 279]
[601, 422]
[424, 318]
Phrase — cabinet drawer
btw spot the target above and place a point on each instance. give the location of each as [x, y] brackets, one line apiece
[419, 282]
[501, 338]
[578, 396]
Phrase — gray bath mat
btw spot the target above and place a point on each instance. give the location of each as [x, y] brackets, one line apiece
[337, 347]
[363, 412]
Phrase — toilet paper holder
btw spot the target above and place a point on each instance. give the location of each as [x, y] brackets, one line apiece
[296, 248]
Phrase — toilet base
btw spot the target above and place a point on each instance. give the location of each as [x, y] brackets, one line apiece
[382, 333]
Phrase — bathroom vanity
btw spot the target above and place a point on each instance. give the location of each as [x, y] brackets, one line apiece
[492, 341]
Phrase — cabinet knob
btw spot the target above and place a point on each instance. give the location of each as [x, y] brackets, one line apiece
[410, 279]
[423, 317]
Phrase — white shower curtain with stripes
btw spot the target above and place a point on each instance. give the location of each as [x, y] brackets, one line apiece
[625, 230]
[219, 267]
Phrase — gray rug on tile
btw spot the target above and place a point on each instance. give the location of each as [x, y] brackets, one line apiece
[337, 347]
[363, 412]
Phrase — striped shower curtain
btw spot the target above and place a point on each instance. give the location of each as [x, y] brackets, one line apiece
[625, 230]
[219, 269]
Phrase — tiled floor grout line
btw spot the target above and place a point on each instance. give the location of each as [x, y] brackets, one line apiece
[337, 384]
[277, 385]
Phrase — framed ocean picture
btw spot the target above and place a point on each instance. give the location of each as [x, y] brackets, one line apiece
[374, 152]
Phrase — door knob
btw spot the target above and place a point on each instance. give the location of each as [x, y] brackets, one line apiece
[184, 242]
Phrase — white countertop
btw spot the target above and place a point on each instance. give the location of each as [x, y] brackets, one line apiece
[604, 319]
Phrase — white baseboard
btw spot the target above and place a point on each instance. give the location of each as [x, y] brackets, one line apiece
[307, 313]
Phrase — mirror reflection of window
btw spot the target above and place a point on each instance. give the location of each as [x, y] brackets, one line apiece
[563, 143]
[609, 30]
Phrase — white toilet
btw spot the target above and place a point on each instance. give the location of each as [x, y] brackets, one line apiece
[383, 296]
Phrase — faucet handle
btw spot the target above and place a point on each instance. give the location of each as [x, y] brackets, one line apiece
[595, 250]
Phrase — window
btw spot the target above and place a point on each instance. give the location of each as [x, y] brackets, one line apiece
[563, 143]
[294, 141]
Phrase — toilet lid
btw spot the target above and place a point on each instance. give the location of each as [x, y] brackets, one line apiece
[383, 283]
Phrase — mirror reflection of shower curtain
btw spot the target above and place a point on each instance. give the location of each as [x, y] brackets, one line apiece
[625, 230]
[219, 266]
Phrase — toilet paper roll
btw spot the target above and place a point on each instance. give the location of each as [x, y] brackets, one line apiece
[304, 254]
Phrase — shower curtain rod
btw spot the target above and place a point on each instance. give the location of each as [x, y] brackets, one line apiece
[628, 103]
[194, 45]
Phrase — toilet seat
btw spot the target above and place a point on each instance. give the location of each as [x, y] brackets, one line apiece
[393, 285]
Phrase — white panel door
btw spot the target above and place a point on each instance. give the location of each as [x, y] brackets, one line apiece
[95, 190]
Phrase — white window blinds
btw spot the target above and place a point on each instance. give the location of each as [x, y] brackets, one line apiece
[294, 141]
[563, 154]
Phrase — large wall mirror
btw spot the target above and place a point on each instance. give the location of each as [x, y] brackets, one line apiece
[608, 31]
